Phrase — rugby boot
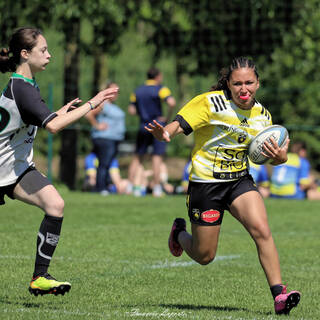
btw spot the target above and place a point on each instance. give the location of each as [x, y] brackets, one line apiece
[284, 302]
[46, 284]
[175, 248]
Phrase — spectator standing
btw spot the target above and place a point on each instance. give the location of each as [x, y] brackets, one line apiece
[108, 129]
[146, 102]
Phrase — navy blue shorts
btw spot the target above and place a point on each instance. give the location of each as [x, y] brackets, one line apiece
[206, 202]
[146, 139]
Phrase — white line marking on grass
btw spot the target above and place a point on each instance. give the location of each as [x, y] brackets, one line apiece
[15, 257]
[167, 264]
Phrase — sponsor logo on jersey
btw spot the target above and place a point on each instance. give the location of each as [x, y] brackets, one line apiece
[244, 123]
[31, 133]
[210, 216]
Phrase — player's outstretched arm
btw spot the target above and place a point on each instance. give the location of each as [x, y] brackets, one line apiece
[164, 133]
[66, 118]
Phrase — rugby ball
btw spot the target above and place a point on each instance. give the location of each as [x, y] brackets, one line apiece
[277, 132]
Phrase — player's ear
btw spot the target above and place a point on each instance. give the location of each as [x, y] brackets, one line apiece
[258, 84]
[24, 54]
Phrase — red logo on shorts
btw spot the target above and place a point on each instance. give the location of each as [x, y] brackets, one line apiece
[210, 216]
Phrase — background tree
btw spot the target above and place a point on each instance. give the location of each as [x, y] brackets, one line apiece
[106, 17]
[205, 35]
[292, 79]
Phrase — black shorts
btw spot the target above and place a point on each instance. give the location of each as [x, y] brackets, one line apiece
[206, 202]
[8, 190]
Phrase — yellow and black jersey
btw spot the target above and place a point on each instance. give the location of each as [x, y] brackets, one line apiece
[222, 133]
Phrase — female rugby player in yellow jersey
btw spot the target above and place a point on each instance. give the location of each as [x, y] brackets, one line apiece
[224, 121]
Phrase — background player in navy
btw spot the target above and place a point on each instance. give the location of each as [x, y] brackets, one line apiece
[22, 111]
[224, 121]
[146, 102]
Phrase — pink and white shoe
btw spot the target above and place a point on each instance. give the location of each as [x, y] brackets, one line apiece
[175, 248]
[284, 302]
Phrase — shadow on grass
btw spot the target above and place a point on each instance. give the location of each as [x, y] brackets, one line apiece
[213, 308]
[23, 302]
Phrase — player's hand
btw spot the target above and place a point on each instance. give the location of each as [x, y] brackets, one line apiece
[101, 126]
[274, 152]
[158, 131]
[69, 106]
[107, 94]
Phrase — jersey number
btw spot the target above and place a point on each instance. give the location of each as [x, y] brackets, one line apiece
[4, 118]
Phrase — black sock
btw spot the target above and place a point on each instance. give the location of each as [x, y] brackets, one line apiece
[47, 241]
[276, 290]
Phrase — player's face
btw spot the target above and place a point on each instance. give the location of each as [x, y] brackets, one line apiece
[243, 84]
[39, 56]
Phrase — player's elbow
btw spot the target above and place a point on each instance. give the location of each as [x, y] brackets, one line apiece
[52, 128]
[171, 102]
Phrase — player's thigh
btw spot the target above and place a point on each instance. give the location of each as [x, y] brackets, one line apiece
[205, 210]
[36, 189]
[205, 238]
[250, 210]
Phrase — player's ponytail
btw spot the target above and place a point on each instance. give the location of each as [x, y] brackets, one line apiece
[6, 61]
[222, 81]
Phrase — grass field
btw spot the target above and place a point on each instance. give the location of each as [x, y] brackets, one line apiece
[114, 252]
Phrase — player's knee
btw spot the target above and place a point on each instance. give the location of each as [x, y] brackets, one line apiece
[55, 207]
[206, 258]
[261, 232]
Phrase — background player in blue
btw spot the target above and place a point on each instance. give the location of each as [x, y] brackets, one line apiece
[224, 121]
[146, 102]
[22, 111]
[116, 183]
[260, 176]
[183, 187]
[292, 180]
[108, 129]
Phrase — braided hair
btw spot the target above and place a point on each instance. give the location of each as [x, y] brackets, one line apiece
[225, 73]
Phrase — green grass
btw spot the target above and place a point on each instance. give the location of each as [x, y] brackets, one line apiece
[114, 252]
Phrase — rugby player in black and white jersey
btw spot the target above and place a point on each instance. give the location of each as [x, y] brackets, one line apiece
[224, 121]
[22, 111]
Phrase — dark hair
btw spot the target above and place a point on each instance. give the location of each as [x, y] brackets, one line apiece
[225, 73]
[22, 38]
[153, 73]
[298, 146]
[107, 84]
